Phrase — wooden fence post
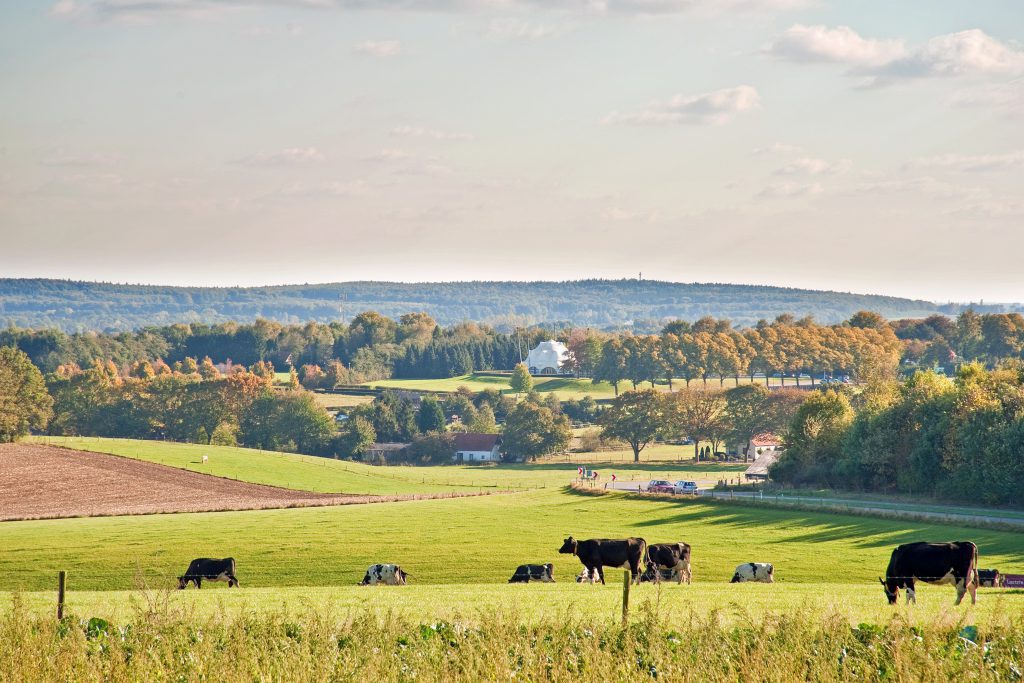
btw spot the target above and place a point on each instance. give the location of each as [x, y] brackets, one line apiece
[62, 577]
[627, 580]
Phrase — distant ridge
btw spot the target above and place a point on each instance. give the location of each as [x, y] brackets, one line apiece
[642, 304]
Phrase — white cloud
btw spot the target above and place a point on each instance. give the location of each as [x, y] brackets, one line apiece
[290, 156]
[965, 53]
[379, 48]
[972, 162]
[145, 9]
[842, 44]
[62, 157]
[389, 155]
[431, 133]
[814, 167]
[1005, 97]
[789, 190]
[777, 148]
[713, 108]
[506, 29]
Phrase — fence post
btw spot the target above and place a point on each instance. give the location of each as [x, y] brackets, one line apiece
[627, 580]
[62, 577]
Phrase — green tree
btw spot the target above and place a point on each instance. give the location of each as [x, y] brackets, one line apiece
[355, 436]
[24, 402]
[532, 430]
[636, 417]
[430, 417]
[814, 444]
[611, 367]
[483, 421]
[698, 414]
[521, 381]
[224, 435]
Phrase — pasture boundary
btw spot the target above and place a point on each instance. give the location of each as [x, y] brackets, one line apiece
[972, 521]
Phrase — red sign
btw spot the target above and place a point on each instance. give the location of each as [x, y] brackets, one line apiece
[1014, 580]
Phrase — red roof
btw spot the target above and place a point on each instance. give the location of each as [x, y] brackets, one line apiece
[475, 442]
[765, 440]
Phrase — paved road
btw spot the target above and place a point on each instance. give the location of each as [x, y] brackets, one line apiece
[947, 514]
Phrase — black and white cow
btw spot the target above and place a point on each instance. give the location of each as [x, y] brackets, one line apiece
[209, 569]
[761, 572]
[525, 573]
[955, 563]
[989, 578]
[384, 574]
[598, 553]
[672, 556]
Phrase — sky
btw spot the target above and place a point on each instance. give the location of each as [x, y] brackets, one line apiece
[869, 146]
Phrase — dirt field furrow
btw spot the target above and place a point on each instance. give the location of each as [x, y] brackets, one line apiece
[44, 482]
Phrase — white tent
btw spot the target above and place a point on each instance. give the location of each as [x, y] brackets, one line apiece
[548, 358]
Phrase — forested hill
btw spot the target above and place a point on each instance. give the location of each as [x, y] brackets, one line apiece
[80, 306]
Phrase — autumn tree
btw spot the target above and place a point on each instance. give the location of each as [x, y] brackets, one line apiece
[636, 417]
[24, 402]
[521, 381]
[532, 430]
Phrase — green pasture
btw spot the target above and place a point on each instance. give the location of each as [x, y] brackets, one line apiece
[340, 400]
[475, 540]
[325, 475]
[564, 387]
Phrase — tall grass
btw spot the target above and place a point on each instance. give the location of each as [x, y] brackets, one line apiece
[161, 643]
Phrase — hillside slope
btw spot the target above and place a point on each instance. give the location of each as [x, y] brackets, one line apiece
[77, 306]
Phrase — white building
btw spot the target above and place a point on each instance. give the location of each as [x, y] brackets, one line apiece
[759, 445]
[472, 447]
[548, 358]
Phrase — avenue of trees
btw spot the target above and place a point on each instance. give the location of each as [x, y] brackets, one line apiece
[952, 438]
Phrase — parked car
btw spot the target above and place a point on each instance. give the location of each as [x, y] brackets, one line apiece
[688, 487]
[660, 486]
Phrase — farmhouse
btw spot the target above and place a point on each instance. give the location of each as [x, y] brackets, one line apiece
[757, 446]
[759, 470]
[473, 447]
[548, 358]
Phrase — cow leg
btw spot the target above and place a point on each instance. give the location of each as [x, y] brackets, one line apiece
[600, 573]
[961, 590]
[911, 595]
[972, 587]
[232, 581]
[199, 582]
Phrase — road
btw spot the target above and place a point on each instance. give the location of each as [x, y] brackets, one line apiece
[920, 511]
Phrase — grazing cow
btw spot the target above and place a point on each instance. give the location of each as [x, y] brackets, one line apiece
[525, 573]
[672, 556]
[583, 576]
[955, 563]
[598, 553]
[989, 578]
[209, 569]
[761, 572]
[386, 574]
[206, 459]
[656, 575]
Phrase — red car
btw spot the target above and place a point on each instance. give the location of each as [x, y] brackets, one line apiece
[660, 486]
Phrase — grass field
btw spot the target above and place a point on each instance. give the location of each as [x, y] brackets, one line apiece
[324, 475]
[340, 400]
[466, 541]
[564, 387]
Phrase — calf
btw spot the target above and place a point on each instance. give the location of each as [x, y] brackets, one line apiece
[672, 556]
[525, 573]
[384, 574]
[656, 575]
[209, 569]
[955, 562]
[754, 571]
[598, 553]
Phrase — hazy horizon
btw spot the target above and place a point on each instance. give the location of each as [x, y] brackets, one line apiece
[868, 147]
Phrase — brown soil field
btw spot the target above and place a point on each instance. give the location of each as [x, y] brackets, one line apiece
[45, 482]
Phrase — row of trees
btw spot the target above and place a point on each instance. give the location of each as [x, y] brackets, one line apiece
[957, 439]
[863, 347]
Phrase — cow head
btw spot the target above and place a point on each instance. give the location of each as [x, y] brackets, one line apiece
[569, 546]
[182, 582]
[891, 592]
[402, 576]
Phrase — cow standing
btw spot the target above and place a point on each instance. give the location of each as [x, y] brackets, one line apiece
[525, 573]
[598, 553]
[671, 556]
[209, 569]
[955, 563]
[384, 575]
[761, 572]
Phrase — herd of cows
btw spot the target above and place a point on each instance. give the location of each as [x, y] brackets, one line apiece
[954, 563]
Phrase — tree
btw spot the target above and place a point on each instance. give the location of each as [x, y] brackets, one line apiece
[430, 417]
[815, 439]
[636, 417]
[483, 421]
[611, 367]
[24, 402]
[699, 415]
[532, 430]
[224, 435]
[868, 319]
[355, 437]
[521, 382]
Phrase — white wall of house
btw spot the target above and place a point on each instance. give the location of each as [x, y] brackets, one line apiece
[477, 456]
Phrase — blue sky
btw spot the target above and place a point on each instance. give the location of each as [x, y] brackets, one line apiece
[863, 146]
